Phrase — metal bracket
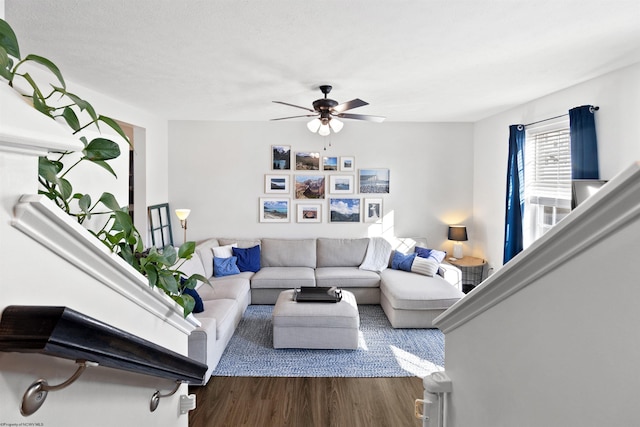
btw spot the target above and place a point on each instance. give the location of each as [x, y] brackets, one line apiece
[155, 399]
[37, 392]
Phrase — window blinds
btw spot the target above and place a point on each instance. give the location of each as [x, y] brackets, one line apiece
[548, 180]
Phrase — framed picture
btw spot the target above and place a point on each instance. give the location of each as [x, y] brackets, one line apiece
[341, 184]
[374, 181]
[344, 210]
[330, 163]
[281, 157]
[372, 210]
[274, 210]
[309, 186]
[309, 212]
[347, 164]
[306, 161]
[276, 184]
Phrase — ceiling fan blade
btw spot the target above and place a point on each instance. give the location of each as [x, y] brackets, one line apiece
[377, 119]
[295, 117]
[354, 103]
[293, 105]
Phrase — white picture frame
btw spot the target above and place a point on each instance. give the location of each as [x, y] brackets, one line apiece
[341, 184]
[347, 164]
[373, 211]
[274, 209]
[309, 212]
[374, 181]
[330, 163]
[276, 184]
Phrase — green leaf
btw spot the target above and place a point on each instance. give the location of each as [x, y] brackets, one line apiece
[168, 282]
[8, 39]
[82, 104]
[101, 149]
[169, 255]
[49, 65]
[65, 188]
[85, 203]
[186, 302]
[109, 201]
[105, 166]
[186, 250]
[6, 64]
[115, 126]
[71, 118]
[40, 105]
[152, 274]
[48, 169]
[124, 220]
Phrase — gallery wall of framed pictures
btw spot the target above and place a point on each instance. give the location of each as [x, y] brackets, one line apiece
[302, 185]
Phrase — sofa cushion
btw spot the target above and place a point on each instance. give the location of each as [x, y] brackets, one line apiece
[434, 254]
[198, 307]
[341, 252]
[225, 266]
[288, 253]
[283, 278]
[225, 251]
[203, 249]
[192, 266]
[426, 266]
[401, 261]
[229, 287]
[248, 258]
[224, 311]
[408, 291]
[346, 277]
[241, 243]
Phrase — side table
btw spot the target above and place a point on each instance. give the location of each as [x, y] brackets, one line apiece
[472, 271]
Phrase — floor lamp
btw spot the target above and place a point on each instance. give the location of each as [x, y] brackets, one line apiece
[182, 215]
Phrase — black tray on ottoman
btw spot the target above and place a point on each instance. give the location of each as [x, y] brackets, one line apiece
[317, 294]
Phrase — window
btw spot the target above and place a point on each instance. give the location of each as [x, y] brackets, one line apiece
[547, 179]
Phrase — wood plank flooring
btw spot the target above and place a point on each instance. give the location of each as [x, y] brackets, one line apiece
[306, 402]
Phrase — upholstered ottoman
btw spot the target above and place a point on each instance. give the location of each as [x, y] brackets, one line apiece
[321, 325]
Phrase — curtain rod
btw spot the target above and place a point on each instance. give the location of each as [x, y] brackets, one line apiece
[593, 108]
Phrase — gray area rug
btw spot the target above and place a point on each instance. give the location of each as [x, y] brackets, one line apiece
[382, 351]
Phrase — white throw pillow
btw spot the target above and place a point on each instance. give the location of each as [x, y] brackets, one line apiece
[426, 266]
[224, 251]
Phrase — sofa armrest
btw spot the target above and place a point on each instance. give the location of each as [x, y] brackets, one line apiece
[451, 274]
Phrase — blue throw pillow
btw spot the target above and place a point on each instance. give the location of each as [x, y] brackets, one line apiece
[248, 258]
[401, 261]
[199, 307]
[225, 266]
[435, 254]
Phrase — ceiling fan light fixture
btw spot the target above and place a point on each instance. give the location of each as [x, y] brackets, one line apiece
[336, 125]
[324, 130]
[314, 125]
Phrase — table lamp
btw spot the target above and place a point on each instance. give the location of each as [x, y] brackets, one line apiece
[182, 215]
[457, 233]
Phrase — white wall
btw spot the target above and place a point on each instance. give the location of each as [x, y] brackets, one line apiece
[618, 96]
[217, 169]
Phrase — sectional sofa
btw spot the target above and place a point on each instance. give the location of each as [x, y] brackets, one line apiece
[410, 299]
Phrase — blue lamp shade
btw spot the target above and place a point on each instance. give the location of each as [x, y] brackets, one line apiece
[457, 233]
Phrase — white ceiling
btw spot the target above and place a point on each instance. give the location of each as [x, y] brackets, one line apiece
[413, 60]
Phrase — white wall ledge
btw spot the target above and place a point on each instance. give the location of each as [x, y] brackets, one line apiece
[617, 203]
[39, 218]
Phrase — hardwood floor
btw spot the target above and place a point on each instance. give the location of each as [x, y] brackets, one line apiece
[306, 402]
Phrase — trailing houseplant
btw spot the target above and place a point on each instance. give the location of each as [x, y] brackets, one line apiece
[161, 267]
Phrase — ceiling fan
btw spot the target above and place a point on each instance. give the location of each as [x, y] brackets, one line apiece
[326, 110]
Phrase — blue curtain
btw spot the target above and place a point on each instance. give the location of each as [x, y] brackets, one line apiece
[515, 193]
[584, 144]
